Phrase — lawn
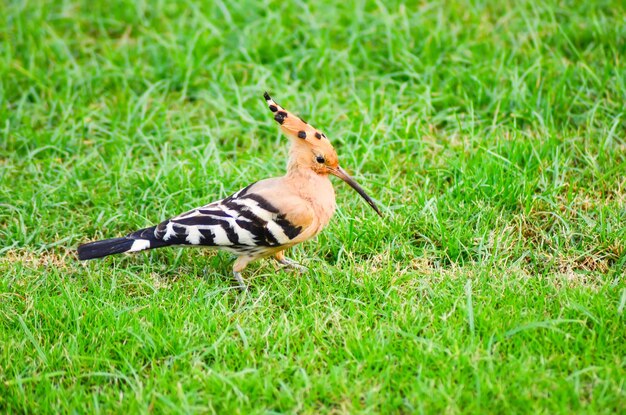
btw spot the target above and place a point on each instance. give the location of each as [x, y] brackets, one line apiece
[491, 133]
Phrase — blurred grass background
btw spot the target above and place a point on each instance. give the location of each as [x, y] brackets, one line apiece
[492, 133]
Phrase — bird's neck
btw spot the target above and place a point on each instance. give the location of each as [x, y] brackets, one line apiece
[296, 153]
[316, 189]
[307, 179]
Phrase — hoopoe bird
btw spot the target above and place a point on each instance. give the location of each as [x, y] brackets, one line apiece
[261, 220]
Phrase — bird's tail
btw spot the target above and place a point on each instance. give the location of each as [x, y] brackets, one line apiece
[136, 241]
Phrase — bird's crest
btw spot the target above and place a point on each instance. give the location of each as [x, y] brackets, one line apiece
[293, 125]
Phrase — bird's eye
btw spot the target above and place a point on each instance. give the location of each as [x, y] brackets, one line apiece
[320, 159]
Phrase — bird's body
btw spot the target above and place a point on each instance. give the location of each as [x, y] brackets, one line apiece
[260, 220]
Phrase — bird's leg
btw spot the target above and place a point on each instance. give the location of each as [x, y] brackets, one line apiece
[240, 265]
[288, 263]
[240, 283]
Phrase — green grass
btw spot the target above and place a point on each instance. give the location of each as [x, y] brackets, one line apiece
[492, 133]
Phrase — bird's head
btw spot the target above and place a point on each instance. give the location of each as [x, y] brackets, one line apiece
[311, 149]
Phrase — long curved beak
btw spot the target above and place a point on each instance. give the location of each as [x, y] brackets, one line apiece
[341, 173]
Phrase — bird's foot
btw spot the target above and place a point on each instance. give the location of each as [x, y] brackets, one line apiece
[291, 264]
[241, 285]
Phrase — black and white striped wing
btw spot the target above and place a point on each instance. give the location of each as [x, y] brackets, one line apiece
[243, 222]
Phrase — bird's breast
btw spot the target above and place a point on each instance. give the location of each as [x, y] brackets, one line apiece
[321, 195]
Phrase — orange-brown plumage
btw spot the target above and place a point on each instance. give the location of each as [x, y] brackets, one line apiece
[261, 220]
